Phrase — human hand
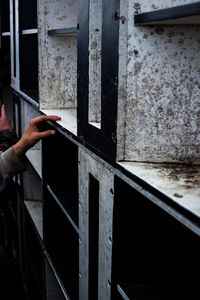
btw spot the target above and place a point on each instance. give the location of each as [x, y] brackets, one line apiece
[4, 121]
[32, 134]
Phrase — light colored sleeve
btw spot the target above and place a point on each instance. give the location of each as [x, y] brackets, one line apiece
[11, 164]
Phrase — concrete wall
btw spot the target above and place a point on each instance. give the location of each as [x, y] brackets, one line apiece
[88, 165]
[159, 89]
[146, 5]
[57, 55]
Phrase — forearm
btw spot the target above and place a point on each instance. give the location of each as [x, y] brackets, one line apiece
[20, 148]
[11, 164]
[12, 161]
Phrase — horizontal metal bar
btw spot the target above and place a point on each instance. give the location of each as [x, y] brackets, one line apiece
[5, 34]
[72, 31]
[176, 12]
[28, 99]
[29, 31]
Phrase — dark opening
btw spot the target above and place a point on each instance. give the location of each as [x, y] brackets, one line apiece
[93, 237]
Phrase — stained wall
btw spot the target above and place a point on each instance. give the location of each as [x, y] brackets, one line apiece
[159, 89]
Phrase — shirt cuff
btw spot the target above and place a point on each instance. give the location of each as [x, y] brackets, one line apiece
[11, 164]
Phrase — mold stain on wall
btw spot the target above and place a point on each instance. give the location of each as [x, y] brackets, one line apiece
[58, 57]
[146, 5]
[163, 94]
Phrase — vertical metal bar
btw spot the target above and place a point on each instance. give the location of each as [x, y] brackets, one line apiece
[1, 24]
[12, 40]
[110, 40]
[17, 42]
[103, 139]
[83, 65]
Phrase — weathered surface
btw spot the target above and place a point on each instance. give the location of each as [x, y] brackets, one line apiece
[179, 182]
[163, 92]
[57, 55]
[146, 5]
[95, 34]
[87, 165]
[35, 210]
[122, 81]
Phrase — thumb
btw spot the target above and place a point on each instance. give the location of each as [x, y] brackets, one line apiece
[3, 111]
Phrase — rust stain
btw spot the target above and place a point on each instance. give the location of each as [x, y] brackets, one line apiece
[63, 18]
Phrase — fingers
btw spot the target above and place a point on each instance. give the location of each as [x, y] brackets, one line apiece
[43, 118]
[46, 133]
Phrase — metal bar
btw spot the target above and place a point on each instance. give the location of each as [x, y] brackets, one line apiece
[72, 31]
[29, 31]
[168, 13]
